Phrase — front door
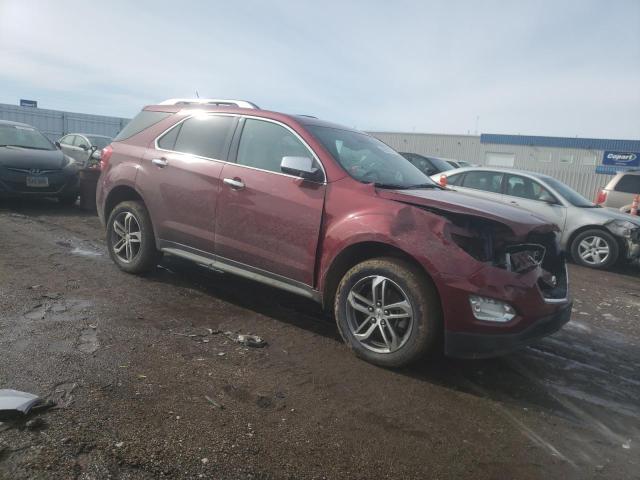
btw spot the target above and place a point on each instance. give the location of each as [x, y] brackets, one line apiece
[180, 180]
[268, 220]
[526, 193]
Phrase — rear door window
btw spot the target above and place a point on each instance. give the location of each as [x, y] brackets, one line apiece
[486, 181]
[629, 184]
[79, 140]
[455, 179]
[140, 122]
[206, 136]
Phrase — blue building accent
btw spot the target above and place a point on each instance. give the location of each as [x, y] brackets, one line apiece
[562, 142]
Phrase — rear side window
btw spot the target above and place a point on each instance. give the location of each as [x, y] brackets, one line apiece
[206, 136]
[487, 181]
[455, 179]
[140, 122]
[263, 144]
[629, 184]
[68, 140]
[168, 140]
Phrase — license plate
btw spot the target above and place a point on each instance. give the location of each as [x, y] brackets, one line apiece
[37, 181]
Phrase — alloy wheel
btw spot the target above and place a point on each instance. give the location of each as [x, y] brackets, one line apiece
[379, 314]
[594, 250]
[126, 237]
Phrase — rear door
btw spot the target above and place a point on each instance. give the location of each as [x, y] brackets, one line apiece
[181, 180]
[267, 220]
[482, 183]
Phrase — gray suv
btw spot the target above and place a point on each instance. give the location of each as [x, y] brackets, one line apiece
[619, 192]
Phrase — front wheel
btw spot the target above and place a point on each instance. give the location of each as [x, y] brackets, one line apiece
[388, 312]
[595, 249]
[130, 238]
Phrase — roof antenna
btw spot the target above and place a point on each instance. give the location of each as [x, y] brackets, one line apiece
[197, 94]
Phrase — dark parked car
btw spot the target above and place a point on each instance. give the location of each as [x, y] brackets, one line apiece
[81, 146]
[428, 165]
[337, 216]
[31, 166]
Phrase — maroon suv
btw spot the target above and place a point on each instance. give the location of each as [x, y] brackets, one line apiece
[335, 215]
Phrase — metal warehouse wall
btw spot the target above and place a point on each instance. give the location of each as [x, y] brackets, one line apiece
[55, 123]
[579, 174]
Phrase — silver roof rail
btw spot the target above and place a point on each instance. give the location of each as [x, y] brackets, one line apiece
[210, 101]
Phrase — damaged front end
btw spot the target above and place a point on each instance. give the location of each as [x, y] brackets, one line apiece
[495, 244]
[629, 234]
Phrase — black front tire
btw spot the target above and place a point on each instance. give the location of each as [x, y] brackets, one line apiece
[147, 256]
[421, 294]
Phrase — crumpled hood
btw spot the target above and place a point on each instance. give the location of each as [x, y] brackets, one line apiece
[606, 215]
[520, 221]
[29, 158]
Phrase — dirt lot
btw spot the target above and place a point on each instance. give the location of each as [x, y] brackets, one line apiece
[132, 360]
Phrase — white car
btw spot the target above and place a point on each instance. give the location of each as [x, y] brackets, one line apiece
[596, 237]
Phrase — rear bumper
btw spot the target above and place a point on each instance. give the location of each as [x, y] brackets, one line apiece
[483, 345]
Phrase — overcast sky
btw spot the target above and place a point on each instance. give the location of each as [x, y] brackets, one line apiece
[565, 68]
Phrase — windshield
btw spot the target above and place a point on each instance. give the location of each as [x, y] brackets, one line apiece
[442, 165]
[570, 195]
[22, 136]
[368, 160]
[99, 142]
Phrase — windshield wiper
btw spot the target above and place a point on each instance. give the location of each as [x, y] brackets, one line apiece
[391, 186]
[423, 185]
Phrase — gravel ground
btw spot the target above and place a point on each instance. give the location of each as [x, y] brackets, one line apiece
[149, 385]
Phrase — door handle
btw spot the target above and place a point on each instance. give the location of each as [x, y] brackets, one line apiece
[514, 203]
[233, 183]
[160, 162]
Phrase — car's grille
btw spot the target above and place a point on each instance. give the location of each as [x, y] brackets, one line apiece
[32, 171]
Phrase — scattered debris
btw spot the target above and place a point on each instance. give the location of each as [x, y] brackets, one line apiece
[14, 401]
[85, 253]
[204, 461]
[214, 403]
[247, 340]
[36, 424]
[62, 395]
[263, 401]
[119, 444]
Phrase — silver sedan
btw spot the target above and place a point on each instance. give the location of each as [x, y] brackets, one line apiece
[595, 237]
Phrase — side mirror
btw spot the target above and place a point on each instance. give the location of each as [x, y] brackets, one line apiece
[83, 147]
[57, 144]
[300, 167]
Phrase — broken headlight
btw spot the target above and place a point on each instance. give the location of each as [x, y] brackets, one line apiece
[522, 258]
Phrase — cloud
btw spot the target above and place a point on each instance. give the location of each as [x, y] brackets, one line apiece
[523, 67]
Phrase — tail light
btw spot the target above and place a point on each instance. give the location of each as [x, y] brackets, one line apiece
[601, 197]
[105, 156]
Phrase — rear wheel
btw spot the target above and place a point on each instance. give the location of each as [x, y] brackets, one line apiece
[595, 249]
[130, 238]
[388, 312]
